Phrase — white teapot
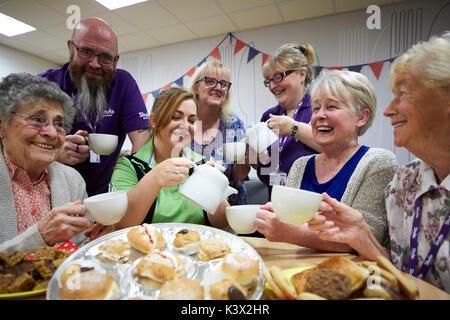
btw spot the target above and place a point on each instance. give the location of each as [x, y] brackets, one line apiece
[207, 187]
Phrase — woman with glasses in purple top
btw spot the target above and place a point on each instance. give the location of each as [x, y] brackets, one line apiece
[287, 75]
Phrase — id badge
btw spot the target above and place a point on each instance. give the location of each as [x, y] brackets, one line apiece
[277, 178]
[94, 158]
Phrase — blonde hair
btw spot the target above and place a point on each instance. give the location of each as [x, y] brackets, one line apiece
[428, 61]
[165, 106]
[351, 87]
[208, 68]
[292, 56]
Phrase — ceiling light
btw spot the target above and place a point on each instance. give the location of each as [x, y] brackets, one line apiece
[115, 4]
[11, 27]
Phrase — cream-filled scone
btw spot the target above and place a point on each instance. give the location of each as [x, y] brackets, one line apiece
[161, 266]
[89, 285]
[240, 267]
[212, 249]
[227, 289]
[146, 238]
[186, 241]
[181, 289]
[115, 251]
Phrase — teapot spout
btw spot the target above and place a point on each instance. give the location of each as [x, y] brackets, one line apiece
[229, 191]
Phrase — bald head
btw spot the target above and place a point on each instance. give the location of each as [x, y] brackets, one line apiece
[95, 30]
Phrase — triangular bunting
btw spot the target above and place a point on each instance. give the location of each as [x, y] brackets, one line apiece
[216, 54]
[155, 93]
[335, 68]
[238, 46]
[251, 54]
[356, 68]
[376, 67]
[317, 70]
[190, 73]
[179, 81]
[265, 57]
[144, 96]
[167, 86]
[201, 62]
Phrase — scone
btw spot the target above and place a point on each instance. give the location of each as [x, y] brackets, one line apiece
[181, 289]
[161, 266]
[227, 289]
[240, 267]
[89, 285]
[329, 284]
[212, 249]
[115, 251]
[145, 238]
[186, 241]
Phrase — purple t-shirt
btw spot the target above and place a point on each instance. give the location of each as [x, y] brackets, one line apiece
[126, 112]
[292, 149]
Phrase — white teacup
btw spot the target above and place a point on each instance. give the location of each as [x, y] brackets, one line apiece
[293, 205]
[107, 208]
[102, 143]
[260, 137]
[234, 151]
[242, 218]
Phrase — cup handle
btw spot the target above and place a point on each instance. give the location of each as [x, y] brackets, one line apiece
[86, 213]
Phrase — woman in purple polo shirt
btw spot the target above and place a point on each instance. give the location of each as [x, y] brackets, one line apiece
[287, 75]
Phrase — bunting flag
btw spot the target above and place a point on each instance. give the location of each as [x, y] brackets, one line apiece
[376, 67]
[238, 46]
[216, 54]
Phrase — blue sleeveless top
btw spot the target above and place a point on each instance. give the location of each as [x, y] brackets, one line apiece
[336, 186]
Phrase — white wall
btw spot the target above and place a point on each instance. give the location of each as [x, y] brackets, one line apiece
[340, 40]
[13, 61]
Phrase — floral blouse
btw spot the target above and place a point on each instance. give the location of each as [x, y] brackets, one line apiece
[417, 179]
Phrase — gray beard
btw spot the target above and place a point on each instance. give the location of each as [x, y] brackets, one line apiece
[92, 103]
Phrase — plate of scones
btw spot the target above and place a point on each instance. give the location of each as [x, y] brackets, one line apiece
[164, 261]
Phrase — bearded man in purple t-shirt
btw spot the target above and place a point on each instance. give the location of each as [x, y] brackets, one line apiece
[107, 100]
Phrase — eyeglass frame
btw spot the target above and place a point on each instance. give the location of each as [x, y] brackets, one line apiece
[93, 55]
[216, 82]
[283, 75]
[41, 125]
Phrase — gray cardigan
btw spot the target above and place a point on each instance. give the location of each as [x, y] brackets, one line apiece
[365, 189]
[66, 185]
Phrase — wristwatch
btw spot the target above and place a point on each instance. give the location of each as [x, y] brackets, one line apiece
[294, 129]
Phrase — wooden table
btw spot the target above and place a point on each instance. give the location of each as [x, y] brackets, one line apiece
[287, 256]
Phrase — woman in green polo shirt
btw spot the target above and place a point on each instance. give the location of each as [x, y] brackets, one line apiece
[151, 176]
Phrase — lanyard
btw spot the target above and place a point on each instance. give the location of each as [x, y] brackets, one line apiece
[282, 139]
[421, 273]
[85, 117]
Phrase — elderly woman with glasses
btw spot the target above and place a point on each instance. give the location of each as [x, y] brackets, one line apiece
[216, 126]
[40, 197]
[287, 76]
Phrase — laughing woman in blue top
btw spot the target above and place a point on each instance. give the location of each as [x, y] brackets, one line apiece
[343, 108]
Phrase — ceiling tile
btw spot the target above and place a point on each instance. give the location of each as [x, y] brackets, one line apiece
[41, 40]
[60, 31]
[147, 15]
[256, 17]
[304, 9]
[32, 13]
[88, 8]
[236, 5]
[212, 26]
[351, 5]
[192, 9]
[137, 41]
[117, 23]
[172, 34]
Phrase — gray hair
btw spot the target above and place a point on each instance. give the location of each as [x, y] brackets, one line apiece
[428, 62]
[351, 87]
[20, 89]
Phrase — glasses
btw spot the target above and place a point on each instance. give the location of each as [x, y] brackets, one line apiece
[212, 83]
[89, 54]
[39, 122]
[278, 77]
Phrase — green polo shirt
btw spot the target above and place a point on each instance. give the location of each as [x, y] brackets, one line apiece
[171, 206]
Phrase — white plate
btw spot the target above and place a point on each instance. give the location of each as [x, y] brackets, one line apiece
[123, 272]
